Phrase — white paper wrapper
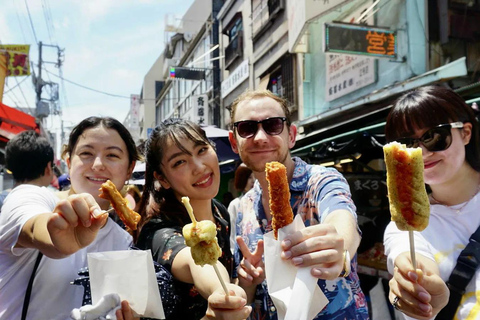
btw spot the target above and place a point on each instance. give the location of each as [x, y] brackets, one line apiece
[130, 274]
[294, 290]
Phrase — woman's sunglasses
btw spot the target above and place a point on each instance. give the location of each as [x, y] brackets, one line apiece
[248, 128]
[435, 139]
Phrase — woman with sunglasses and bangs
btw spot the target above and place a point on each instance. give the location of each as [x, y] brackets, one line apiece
[181, 161]
[437, 120]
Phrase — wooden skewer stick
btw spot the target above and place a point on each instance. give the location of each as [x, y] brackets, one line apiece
[188, 206]
[412, 250]
[220, 278]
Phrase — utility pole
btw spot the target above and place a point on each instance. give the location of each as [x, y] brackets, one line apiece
[39, 81]
[43, 105]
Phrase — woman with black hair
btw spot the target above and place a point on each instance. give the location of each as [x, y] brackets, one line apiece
[181, 161]
[438, 121]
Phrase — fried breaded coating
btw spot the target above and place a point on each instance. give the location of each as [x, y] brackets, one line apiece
[279, 191]
[203, 231]
[409, 204]
[201, 237]
[129, 217]
[206, 252]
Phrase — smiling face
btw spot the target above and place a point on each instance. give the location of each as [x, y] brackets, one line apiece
[99, 155]
[256, 151]
[193, 172]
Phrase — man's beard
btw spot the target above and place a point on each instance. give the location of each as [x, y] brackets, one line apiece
[260, 166]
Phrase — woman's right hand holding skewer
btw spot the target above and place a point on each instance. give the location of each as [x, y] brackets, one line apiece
[231, 307]
[421, 293]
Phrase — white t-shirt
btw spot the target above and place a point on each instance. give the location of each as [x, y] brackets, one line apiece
[445, 237]
[53, 297]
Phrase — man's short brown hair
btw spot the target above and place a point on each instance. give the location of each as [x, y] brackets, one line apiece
[255, 94]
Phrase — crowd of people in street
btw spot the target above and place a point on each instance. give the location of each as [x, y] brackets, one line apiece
[45, 235]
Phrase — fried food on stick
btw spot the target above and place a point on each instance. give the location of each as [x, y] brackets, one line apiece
[279, 191]
[201, 237]
[127, 215]
[409, 205]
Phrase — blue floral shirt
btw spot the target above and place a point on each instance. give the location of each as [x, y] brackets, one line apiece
[316, 191]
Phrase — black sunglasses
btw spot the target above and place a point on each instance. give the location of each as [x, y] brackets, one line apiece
[435, 139]
[248, 128]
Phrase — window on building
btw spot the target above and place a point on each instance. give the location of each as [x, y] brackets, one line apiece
[234, 31]
[263, 12]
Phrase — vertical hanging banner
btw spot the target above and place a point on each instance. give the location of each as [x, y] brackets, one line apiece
[200, 109]
[134, 110]
[18, 61]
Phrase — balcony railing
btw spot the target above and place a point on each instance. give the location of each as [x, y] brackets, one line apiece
[264, 13]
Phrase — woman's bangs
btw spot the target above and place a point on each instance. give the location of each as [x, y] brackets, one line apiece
[410, 116]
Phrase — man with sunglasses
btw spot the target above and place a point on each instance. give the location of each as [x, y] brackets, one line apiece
[262, 132]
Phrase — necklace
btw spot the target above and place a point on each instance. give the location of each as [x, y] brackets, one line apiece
[457, 210]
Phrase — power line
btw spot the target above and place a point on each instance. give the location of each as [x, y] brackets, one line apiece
[31, 22]
[16, 100]
[18, 83]
[19, 22]
[85, 87]
[46, 21]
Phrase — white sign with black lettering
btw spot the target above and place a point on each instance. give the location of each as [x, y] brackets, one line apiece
[235, 78]
[201, 110]
[347, 73]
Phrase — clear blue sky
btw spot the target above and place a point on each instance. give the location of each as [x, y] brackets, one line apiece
[109, 46]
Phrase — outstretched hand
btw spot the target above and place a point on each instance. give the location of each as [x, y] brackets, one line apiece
[75, 223]
[252, 268]
[231, 307]
[421, 293]
[320, 246]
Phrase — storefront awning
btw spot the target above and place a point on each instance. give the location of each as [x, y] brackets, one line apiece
[357, 110]
[13, 121]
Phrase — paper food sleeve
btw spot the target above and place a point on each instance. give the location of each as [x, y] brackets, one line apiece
[130, 274]
[294, 290]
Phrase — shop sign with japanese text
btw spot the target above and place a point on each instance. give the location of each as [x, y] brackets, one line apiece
[134, 110]
[18, 62]
[235, 78]
[358, 39]
[346, 73]
[200, 109]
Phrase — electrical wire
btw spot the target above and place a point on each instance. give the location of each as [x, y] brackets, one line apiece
[31, 22]
[20, 24]
[46, 21]
[18, 83]
[19, 87]
[87, 88]
[15, 99]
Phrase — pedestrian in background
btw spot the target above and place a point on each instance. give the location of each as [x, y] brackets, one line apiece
[243, 182]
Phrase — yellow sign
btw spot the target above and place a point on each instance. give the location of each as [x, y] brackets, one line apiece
[18, 62]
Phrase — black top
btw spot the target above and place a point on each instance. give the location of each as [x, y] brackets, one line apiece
[165, 239]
